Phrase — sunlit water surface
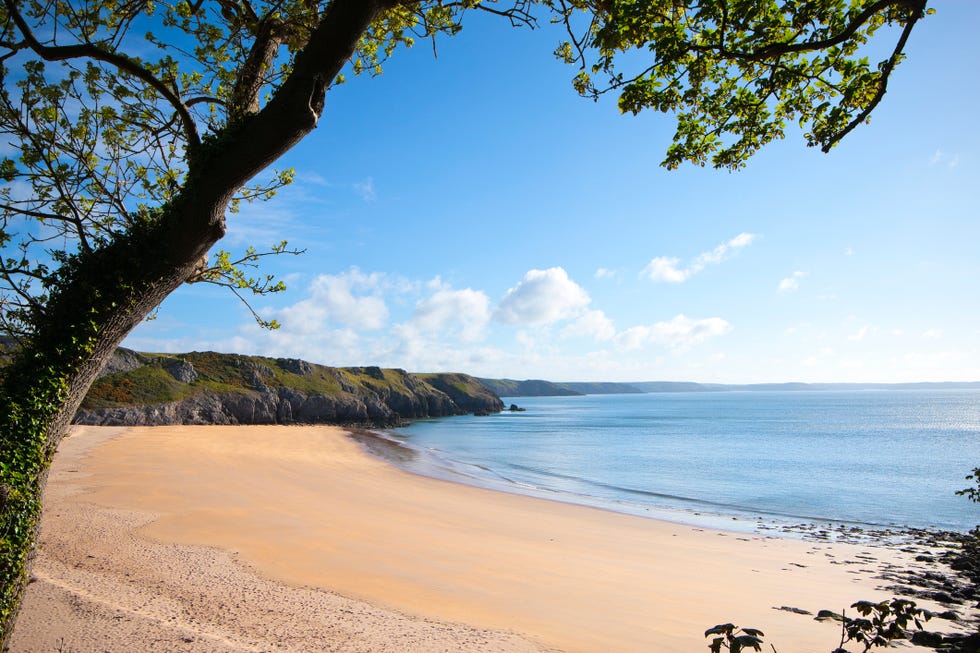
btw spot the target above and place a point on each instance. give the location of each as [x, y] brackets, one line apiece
[868, 458]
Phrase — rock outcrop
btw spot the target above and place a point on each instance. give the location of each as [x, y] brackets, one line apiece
[210, 388]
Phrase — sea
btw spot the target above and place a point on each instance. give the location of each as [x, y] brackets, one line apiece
[867, 459]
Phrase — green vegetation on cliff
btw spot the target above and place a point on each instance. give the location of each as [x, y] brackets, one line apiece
[529, 388]
[468, 392]
[208, 387]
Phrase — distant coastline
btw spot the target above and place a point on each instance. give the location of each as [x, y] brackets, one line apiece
[542, 388]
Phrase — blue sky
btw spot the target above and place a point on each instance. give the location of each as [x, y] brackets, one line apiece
[469, 212]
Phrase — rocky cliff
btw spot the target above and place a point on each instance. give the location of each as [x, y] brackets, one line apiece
[211, 388]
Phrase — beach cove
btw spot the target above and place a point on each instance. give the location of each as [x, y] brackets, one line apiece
[276, 538]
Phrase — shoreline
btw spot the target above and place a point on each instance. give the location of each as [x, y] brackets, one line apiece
[211, 532]
[893, 462]
[399, 452]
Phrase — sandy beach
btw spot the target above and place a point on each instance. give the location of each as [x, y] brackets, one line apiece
[294, 539]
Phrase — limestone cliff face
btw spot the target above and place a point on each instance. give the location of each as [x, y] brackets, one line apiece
[209, 388]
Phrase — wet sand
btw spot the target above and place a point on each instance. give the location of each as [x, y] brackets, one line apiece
[294, 539]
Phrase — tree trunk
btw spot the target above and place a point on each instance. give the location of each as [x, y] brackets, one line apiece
[102, 295]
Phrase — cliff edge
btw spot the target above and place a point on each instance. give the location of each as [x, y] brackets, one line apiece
[212, 388]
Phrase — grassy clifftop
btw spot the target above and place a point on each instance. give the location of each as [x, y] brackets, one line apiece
[208, 387]
[528, 388]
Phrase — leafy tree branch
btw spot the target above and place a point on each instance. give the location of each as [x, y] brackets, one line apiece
[123, 63]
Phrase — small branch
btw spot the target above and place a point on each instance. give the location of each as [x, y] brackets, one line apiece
[28, 300]
[518, 15]
[34, 214]
[886, 71]
[265, 324]
[121, 62]
[846, 33]
[778, 49]
[205, 99]
[578, 43]
[245, 95]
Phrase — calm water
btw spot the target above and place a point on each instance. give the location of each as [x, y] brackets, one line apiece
[883, 458]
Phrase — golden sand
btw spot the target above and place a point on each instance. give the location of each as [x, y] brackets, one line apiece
[292, 538]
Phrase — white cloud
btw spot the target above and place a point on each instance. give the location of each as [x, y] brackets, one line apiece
[792, 283]
[940, 157]
[860, 334]
[437, 357]
[526, 340]
[311, 177]
[605, 273]
[542, 297]
[667, 269]
[680, 333]
[721, 252]
[366, 189]
[345, 321]
[593, 324]
[464, 313]
[634, 337]
[933, 334]
[351, 299]
[821, 358]
[325, 345]
[925, 360]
